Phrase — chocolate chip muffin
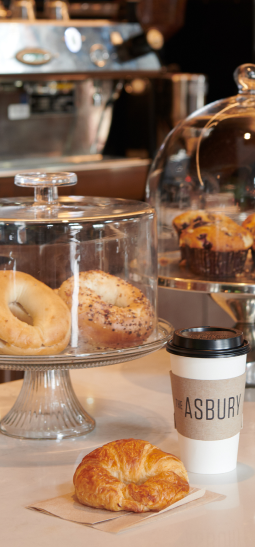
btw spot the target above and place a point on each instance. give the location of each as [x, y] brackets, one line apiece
[216, 249]
[249, 224]
[194, 219]
[197, 219]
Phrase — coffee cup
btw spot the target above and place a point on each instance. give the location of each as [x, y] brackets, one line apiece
[208, 369]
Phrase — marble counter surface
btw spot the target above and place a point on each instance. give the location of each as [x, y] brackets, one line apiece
[127, 400]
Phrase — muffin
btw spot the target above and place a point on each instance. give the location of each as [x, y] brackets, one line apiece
[249, 224]
[197, 219]
[216, 249]
[194, 219]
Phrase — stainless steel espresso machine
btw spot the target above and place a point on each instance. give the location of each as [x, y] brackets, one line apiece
[59, 82]
[88, 95]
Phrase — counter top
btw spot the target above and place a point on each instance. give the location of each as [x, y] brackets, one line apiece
[127, 400]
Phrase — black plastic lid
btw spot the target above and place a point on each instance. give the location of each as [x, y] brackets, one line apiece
[208, 342]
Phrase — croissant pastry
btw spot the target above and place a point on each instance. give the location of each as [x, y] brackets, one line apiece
[130, 475]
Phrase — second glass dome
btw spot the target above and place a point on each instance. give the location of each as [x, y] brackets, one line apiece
[202, 185]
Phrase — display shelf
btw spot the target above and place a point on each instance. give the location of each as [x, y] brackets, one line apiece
[235, 295]
[175, 276]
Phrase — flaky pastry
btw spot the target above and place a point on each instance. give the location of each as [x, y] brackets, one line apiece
[131, 475]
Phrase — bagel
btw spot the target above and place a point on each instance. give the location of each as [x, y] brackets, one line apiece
[111, 311]
[33, 320]
[130, 475]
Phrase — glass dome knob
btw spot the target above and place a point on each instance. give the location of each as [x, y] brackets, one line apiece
[45, 185]
[46, 180]
[244, 77]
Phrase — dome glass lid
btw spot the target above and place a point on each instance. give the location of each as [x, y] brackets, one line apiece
[66, 263]
[206, 166]
[48, 206]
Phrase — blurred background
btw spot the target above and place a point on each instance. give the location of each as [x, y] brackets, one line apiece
[94, 87]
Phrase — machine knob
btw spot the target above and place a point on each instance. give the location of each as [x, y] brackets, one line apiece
[99, 55]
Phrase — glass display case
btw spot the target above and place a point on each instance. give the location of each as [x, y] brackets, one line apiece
[78, 247]
[78, 288]
[202, 186]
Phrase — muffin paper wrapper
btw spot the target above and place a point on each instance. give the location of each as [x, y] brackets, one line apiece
[67, 507]
[215, 263]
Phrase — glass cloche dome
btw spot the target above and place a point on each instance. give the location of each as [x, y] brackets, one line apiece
[67, 263]
[202, 185]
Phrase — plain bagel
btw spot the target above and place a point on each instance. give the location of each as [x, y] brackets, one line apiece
[111, 311]
[33, 319]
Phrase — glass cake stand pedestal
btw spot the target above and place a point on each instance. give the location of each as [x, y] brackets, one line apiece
[47, 407]
[235, 295]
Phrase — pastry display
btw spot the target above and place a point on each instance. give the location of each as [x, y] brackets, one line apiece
[58, 307]
[68, 243]
[110, 310]
[216, 249]
[204, 169]
[131, 475]
[33, 319]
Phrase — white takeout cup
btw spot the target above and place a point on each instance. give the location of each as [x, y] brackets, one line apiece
[208, 391]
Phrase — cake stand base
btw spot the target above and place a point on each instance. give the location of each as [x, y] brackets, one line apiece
[47, 408]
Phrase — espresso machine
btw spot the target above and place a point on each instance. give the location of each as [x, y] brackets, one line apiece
[83, 88]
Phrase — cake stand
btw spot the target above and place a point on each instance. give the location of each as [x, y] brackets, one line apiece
[235, 295]
[47, 407]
